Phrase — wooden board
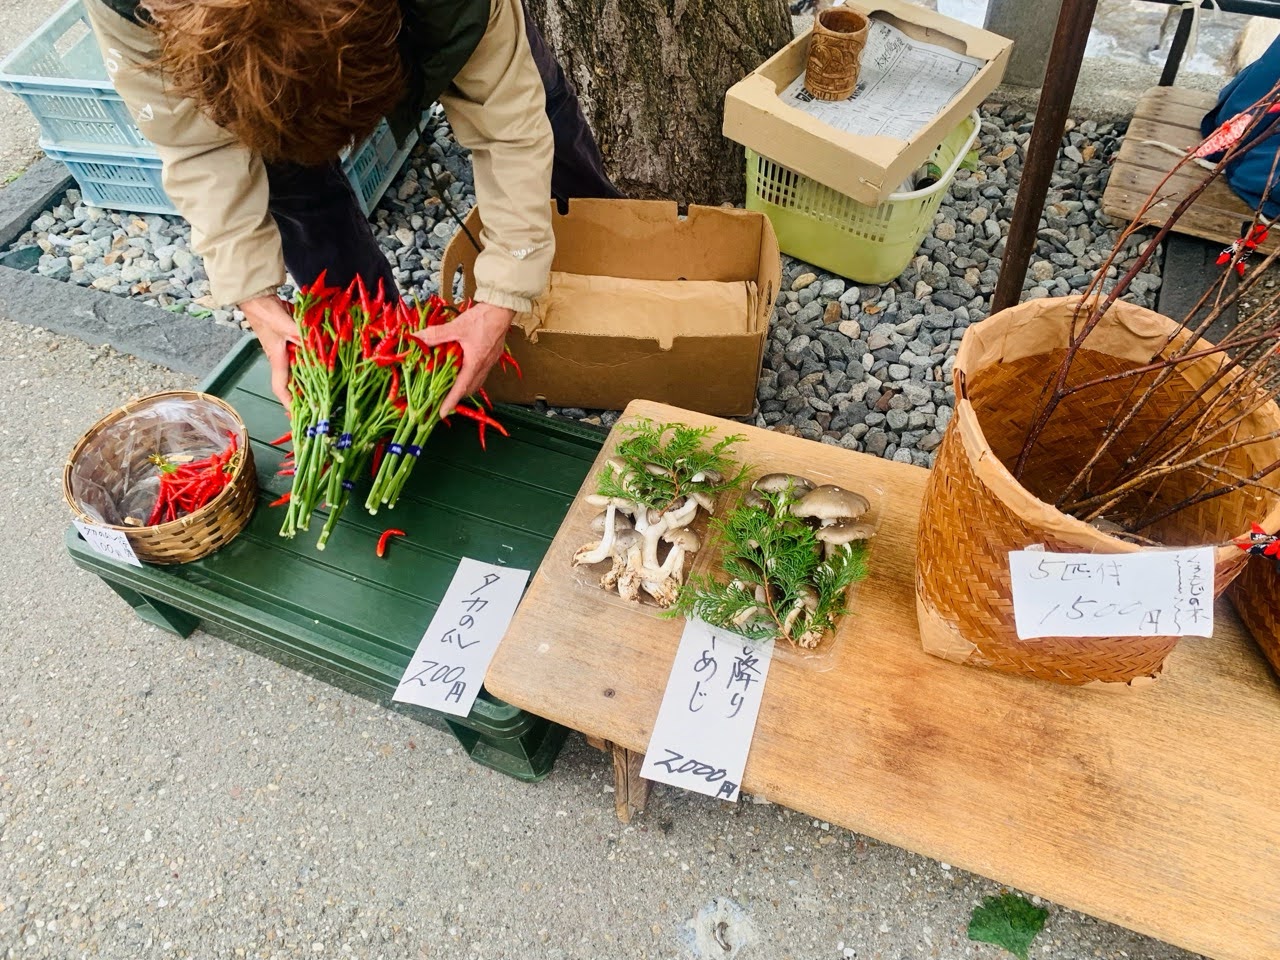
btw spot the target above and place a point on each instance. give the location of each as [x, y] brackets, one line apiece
[1157, 810]
[1172, 116]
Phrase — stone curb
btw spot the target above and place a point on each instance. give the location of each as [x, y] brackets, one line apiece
[26, 197]
[180, 343]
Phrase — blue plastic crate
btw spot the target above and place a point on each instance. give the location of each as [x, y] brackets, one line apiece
[116, 181]
[59, 74]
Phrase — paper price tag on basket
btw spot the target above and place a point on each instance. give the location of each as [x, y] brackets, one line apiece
[448, 668]
[1148, 593]
[112, 544]
[708, 715]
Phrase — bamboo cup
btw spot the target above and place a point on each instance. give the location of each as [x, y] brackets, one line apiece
[835, 53]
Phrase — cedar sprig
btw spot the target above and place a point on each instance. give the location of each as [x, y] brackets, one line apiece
[678, 449]
[767, 543]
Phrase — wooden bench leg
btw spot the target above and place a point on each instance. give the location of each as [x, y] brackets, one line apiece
[631, 791]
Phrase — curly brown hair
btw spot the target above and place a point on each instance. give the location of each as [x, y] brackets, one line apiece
[293, 80]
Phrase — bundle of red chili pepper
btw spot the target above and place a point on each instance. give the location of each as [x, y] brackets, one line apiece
[364, 389]
[186, 487]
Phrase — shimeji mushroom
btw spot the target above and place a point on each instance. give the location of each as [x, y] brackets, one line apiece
[840, 534]
[806, 602]
[666, 585]
[602, 549]
[785, 483]
[624, 543]
[829, 503]
[653, 529]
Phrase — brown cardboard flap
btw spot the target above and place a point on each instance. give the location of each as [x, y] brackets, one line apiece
[659, 310]
[647, 240]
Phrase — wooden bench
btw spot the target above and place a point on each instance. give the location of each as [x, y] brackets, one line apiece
[1172, 116]
[1157, 810]
[343, 614]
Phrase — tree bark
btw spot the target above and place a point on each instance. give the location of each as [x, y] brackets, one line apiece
[652, 75]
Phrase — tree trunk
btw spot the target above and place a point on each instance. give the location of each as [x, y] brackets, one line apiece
[652, 76]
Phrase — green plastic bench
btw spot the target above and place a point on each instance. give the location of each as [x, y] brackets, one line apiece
[346, 616]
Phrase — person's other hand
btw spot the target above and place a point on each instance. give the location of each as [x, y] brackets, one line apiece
[482, 333]
[272, 321]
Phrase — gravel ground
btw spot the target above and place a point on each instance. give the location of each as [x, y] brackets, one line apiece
[166, 798]
[863, 366]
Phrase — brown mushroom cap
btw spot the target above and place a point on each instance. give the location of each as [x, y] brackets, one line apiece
[829, 502]
[624, 540]
[782, 483]
[620, 522]
[845, 532]
[684, 537]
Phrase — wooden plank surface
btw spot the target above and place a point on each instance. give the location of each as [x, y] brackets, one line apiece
[1172, 116]
[1157, 810]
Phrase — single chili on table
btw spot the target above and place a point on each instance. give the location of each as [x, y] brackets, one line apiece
[386, 536]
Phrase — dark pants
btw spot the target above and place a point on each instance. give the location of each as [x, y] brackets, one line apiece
[322, 228]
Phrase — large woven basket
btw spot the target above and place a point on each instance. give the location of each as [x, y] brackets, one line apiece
[975, 513]
[1256, 596]
[104, 447]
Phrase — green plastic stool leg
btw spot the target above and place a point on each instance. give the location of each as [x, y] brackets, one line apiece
[528, 758]
[153, 611]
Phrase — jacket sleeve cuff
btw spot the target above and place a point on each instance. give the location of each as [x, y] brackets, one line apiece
[270, 291]
[501, 298]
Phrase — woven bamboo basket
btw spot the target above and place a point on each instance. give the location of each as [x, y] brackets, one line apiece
[1256, 596]
[107, 447]
[975, 513]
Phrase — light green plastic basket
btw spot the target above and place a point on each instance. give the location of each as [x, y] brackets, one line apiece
[824, 227]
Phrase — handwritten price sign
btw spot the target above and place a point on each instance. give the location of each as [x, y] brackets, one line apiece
[448, 668]
[708, 715]
[112, 544]
[1148, 593]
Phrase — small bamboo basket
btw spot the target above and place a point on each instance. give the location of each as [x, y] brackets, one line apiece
[1256, 596]
[105, 448]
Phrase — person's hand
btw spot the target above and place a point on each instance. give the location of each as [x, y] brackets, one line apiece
[482, 333]
[271, 320]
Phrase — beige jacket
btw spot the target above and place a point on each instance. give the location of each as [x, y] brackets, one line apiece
[497, 107]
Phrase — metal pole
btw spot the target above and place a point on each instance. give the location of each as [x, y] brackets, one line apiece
[1177, 49]
[1042, 153]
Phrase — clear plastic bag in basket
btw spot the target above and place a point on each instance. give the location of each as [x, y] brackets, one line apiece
[114, 477]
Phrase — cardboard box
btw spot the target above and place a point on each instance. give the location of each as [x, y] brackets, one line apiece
[656, 344]
[865, 168]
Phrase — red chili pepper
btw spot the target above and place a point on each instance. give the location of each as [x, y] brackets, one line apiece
[395, 384]
[288, 495]
[283, 438]
[508, 358]
[378, 451]
[485, 397]
[158, 510]
[484, 420]
[387, 535]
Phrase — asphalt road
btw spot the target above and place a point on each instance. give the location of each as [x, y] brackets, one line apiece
[167, 798]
